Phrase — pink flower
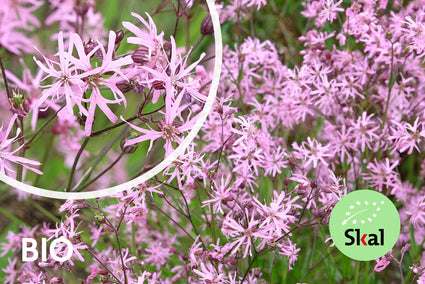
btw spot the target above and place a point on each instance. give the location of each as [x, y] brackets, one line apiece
[312, 152]
[383, 262]
[364, 131]
[150, 39]
[220, 195]
[169, 129]
[66, 80]
[382, 174]
[10, 271]
[107, 74]
[75, 77]
[330, 11]
[176, 76]
[208, 274]
[407, 136]
[290, 250]
[244, 236]
[157, 253]
[8, 155]
[278, 215]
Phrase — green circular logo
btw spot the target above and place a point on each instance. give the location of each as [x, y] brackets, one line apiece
[364, 225]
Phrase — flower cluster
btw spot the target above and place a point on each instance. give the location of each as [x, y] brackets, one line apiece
[297, 124]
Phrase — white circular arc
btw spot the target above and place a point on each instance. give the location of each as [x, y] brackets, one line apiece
[167, 161]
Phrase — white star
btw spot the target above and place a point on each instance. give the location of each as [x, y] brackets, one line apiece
[358, 203]
[362, 222]
[378, 209]
[374, 215]
[370, 220]
[344, 223]
[366, 203]
[382, 202]
[348, 213]
[354, 221]
[351, 207]
[374, 203]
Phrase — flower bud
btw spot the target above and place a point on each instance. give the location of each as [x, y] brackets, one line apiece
[207, 27]
[59, 129]
[56, 279]
[100, 218]
[19, 104]
[103, 271]
[167, 45]
[405, 248]
[81, 9]
[119, 36]
[131, 148]
[124, 86]
[90, 45]
[141, 55]
[158, 85]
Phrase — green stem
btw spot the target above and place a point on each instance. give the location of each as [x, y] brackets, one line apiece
[45, 157]
[12, 217]
[102, 173]
[249, 268]
[102, 154]
[74, 166]
[45, 211]
[356, 275]
[19, 174]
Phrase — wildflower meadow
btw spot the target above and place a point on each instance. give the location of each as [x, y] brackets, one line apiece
[270, 112]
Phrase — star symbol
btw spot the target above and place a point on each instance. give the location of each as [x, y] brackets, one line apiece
[351, 207]
[348, 213]
[354, 221]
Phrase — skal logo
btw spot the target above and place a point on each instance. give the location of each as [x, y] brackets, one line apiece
[364, 225]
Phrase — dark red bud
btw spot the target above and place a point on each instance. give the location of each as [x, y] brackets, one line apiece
[207, 27]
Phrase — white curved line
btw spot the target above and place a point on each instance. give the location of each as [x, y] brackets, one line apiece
[167, 161]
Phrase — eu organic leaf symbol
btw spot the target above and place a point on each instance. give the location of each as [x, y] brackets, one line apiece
[366, 210]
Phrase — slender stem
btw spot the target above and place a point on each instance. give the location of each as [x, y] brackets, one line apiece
[316, 264]
[154, 111]
[43, 210]
[172, 220]
[3, 72]
[42, 128]
[102, 173]
[116, 232]
[97, 133]
[102, 154]
[187, 31]
[20, 168]
[133, 239]
[249, 267]
[177, 20]
[196, 45]
[101, 263]
[393, 78]
[356, 275]
[189, 216]
[74, 166]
